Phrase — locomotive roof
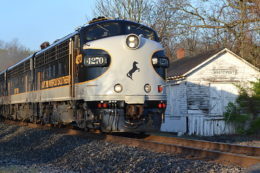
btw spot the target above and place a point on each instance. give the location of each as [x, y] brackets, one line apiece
[39, 52]
[58, 42]
[77, 31]
[20, 62]
[67, 37]
[2, 72]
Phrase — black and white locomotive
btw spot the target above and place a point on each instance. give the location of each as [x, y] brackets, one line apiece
[107, 75]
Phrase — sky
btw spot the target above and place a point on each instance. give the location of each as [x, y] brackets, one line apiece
[34, 21]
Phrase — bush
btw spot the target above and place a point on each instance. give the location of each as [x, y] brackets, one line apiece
[244, 114]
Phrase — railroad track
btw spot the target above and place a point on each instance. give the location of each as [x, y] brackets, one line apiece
[243, 156]
[207, 145]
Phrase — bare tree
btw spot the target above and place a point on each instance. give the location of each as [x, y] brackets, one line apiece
[195, 25]
[234, 23]
[135, 10]
[11, 53]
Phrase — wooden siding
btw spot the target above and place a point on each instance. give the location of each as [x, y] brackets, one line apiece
[208, 126]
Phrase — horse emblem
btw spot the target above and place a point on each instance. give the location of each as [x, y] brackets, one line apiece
[131, 72]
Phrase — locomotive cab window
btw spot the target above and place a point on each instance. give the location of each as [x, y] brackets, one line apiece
[99, 31]
[109, 29]
[141, 30]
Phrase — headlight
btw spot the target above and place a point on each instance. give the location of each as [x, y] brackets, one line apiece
[118, 88]
[132, 41]
[147, 88]
[154, 60]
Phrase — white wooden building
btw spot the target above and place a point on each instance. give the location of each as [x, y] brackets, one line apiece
[199, 89]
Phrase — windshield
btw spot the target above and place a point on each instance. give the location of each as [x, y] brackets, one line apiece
[102, 30]
[140, 30]
[114, 28]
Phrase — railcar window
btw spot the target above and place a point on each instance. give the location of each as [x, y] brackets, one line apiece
[141, 30]
[102, 30]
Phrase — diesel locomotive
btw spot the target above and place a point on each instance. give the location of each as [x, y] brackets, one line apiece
[107, 75]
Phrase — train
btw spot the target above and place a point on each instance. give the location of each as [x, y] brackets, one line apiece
[108, 75]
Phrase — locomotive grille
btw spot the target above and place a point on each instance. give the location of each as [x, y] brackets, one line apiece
[27, 66]
[2, 77]
[39, 60]
[20, 69]
[55, 53]
[63, 50]
[50, 55]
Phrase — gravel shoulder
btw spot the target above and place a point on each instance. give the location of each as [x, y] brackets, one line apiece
[24, 149]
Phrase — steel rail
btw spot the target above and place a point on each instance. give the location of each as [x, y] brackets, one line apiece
[208, 145]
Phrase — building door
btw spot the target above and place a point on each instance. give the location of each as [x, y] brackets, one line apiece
[220, 95]
[175, 114]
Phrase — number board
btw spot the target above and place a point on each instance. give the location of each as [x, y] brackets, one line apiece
[95, 61]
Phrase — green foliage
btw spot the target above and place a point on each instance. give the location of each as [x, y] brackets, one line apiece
[245, 113]
[255, 127]
[233, 115]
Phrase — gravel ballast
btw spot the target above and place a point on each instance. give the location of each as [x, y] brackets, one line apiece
[24, 149]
